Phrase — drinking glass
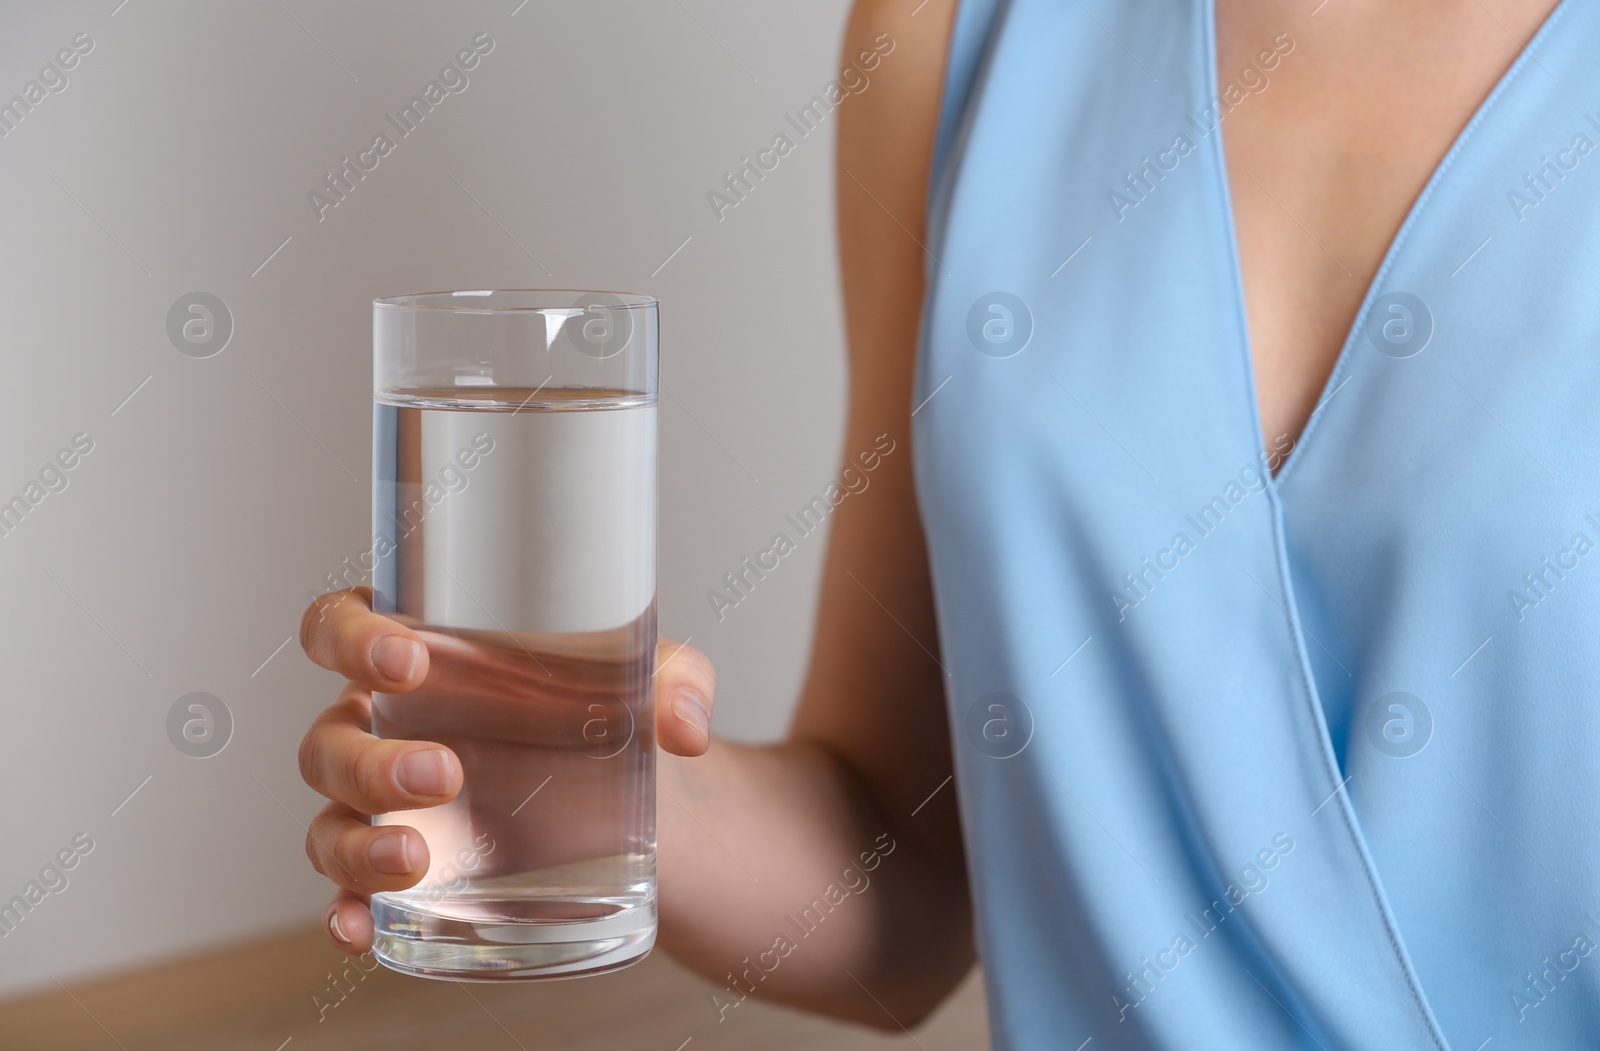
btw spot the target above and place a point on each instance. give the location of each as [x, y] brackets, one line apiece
[514, 529]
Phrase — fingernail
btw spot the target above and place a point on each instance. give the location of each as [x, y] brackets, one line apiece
[424, 773]
[333, 925]
[395, 657]
[389, 854]
[690, 709]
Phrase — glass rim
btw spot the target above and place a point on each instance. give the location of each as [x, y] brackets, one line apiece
[471, 301]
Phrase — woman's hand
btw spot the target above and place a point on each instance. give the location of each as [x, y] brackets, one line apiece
[363, 775]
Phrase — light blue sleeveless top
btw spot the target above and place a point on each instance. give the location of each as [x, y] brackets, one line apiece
[1249, 764]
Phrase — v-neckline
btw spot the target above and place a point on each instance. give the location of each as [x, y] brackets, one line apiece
[1341, 361]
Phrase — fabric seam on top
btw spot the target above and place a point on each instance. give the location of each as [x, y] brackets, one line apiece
[1342, 367]
[1342, 364]
[1318, 723]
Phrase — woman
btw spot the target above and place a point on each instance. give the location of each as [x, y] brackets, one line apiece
[1240, 760]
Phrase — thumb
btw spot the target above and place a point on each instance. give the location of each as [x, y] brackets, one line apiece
[686, 685]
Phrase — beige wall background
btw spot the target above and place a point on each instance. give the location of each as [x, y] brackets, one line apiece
[177, 156]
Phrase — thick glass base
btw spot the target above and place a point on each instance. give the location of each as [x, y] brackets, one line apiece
[429, 945]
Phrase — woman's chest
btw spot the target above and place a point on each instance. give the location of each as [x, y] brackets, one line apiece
[1327, 154]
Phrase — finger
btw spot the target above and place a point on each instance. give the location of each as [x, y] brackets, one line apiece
[686, 685]
[362, 857]
[340, 632]
[344, 762]
[348, 922]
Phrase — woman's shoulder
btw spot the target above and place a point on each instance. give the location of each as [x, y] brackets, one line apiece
[894, 51]
[887, 129]
[909, 40]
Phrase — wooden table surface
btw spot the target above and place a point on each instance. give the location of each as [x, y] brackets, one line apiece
[259, 997]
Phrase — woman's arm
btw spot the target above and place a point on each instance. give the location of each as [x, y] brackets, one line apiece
[804, 871]
[870, 741]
